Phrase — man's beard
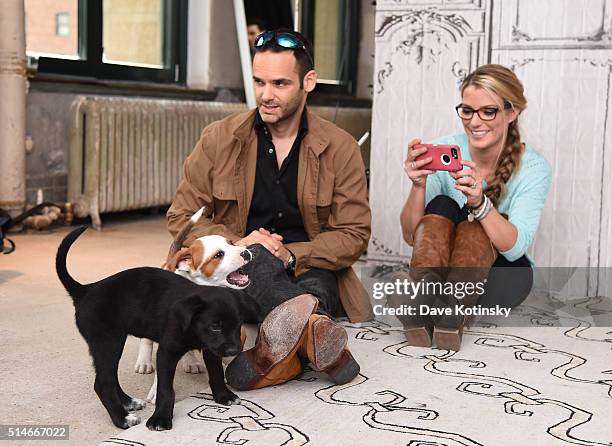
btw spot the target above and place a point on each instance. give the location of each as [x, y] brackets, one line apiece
[286, 112]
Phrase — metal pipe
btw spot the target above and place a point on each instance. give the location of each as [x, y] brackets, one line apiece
[12, 106]
[296, 15]
[245, 52]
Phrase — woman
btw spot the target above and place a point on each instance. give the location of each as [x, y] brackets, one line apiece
[461, 224]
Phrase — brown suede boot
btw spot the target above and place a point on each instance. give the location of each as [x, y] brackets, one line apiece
[470, 262]
[433, 238]
[324, 344]
[273, 359]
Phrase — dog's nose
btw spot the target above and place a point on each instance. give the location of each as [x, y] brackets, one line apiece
[246, 255]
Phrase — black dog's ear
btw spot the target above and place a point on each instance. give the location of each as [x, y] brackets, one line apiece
[182, 312]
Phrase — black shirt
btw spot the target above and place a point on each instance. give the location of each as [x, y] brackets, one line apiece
[274, 205]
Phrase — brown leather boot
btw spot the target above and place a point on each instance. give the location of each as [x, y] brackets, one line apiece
[242, 337]
[273, 359]
[324, 344]
[433, 238]
[470, 262]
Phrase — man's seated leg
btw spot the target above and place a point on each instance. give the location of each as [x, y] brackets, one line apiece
[269, 283]
[290, 325]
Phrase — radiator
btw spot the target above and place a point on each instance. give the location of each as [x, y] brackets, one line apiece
[128, 153]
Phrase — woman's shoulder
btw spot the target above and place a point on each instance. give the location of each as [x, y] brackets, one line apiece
[534, 161]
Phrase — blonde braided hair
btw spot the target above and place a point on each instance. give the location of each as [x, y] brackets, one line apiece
[502, 83]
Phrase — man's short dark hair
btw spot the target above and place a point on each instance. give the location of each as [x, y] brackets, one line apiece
[257, 21]
[304, 60]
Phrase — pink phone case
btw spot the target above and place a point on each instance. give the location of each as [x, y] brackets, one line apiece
[445, 157]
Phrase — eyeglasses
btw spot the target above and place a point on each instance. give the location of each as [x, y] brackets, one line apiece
[485, 113]
[283, 39]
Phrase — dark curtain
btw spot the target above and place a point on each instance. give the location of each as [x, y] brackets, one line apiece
[274, 13]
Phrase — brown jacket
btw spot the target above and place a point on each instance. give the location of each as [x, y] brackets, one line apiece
[332, 197]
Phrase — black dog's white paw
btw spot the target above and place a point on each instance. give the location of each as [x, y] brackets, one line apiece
[159, 423]
[130, 420]
[226, 397]
[136, 404]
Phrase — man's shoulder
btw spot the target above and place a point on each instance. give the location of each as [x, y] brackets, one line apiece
[329, 133]
[231, 122]
[319, 123]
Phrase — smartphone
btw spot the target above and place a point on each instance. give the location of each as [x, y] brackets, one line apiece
[444, 157]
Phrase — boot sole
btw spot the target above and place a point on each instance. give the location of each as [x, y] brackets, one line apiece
[279, 337]
[448, 338]
[330, 353]
[419, 336]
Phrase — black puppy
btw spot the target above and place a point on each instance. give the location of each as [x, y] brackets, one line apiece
[165, 307]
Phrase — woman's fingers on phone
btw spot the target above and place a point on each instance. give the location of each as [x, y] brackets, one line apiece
[413, 142]
[416, 152]
[420, 163]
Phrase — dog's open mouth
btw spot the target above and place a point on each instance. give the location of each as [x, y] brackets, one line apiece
[238, 278]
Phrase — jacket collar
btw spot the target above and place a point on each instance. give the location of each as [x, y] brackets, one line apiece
[316, 138]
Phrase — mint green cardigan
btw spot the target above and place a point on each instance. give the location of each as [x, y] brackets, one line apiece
[523, 201]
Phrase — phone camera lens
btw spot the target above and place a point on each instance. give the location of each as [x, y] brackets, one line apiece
[446, 160]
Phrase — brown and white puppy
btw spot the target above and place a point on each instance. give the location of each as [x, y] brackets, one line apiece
[210, 260]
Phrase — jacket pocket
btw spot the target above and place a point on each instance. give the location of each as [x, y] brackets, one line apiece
[325, 194]
[224, 197]
[224, 190]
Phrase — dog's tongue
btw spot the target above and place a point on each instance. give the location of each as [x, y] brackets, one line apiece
[237, 278]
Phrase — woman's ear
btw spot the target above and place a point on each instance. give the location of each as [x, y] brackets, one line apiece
[513, 114]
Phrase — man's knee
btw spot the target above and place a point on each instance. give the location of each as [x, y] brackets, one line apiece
[262, 259]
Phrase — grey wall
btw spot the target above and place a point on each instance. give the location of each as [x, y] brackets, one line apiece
[47, 116]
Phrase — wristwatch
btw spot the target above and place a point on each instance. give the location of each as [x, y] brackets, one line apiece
[291, 263]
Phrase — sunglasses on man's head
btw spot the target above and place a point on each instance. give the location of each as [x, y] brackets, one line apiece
[282, 39]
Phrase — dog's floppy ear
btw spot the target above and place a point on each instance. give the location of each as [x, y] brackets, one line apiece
[182, 312]
[172, 262]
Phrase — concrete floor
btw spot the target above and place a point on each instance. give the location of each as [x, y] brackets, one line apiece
[46, 376]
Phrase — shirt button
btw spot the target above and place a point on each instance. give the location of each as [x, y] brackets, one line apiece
[273, 229]
[280, 215]
[277, 181]
[270, 151]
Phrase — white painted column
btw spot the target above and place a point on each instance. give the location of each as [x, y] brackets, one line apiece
[12, 106]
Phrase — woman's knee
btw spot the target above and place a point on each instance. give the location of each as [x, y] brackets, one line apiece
[445, 206]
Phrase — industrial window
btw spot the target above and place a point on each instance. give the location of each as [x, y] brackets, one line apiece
[62, 24]
[142, 40]
[332, 26]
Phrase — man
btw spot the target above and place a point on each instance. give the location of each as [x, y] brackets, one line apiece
[292, 187]
[255, 27]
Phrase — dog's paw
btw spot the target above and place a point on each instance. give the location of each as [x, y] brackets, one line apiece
[144, 367]
[159, 423]
[130, 420]
[192, 363]
[226, 397]
[152, 396]
[136, 404]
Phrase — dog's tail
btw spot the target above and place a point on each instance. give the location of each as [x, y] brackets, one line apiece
[74, 288]
[177, 244]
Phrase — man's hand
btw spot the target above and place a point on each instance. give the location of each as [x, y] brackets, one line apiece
[272, 242]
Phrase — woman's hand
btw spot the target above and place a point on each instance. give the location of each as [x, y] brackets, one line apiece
[413, 169]
[469, 181]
